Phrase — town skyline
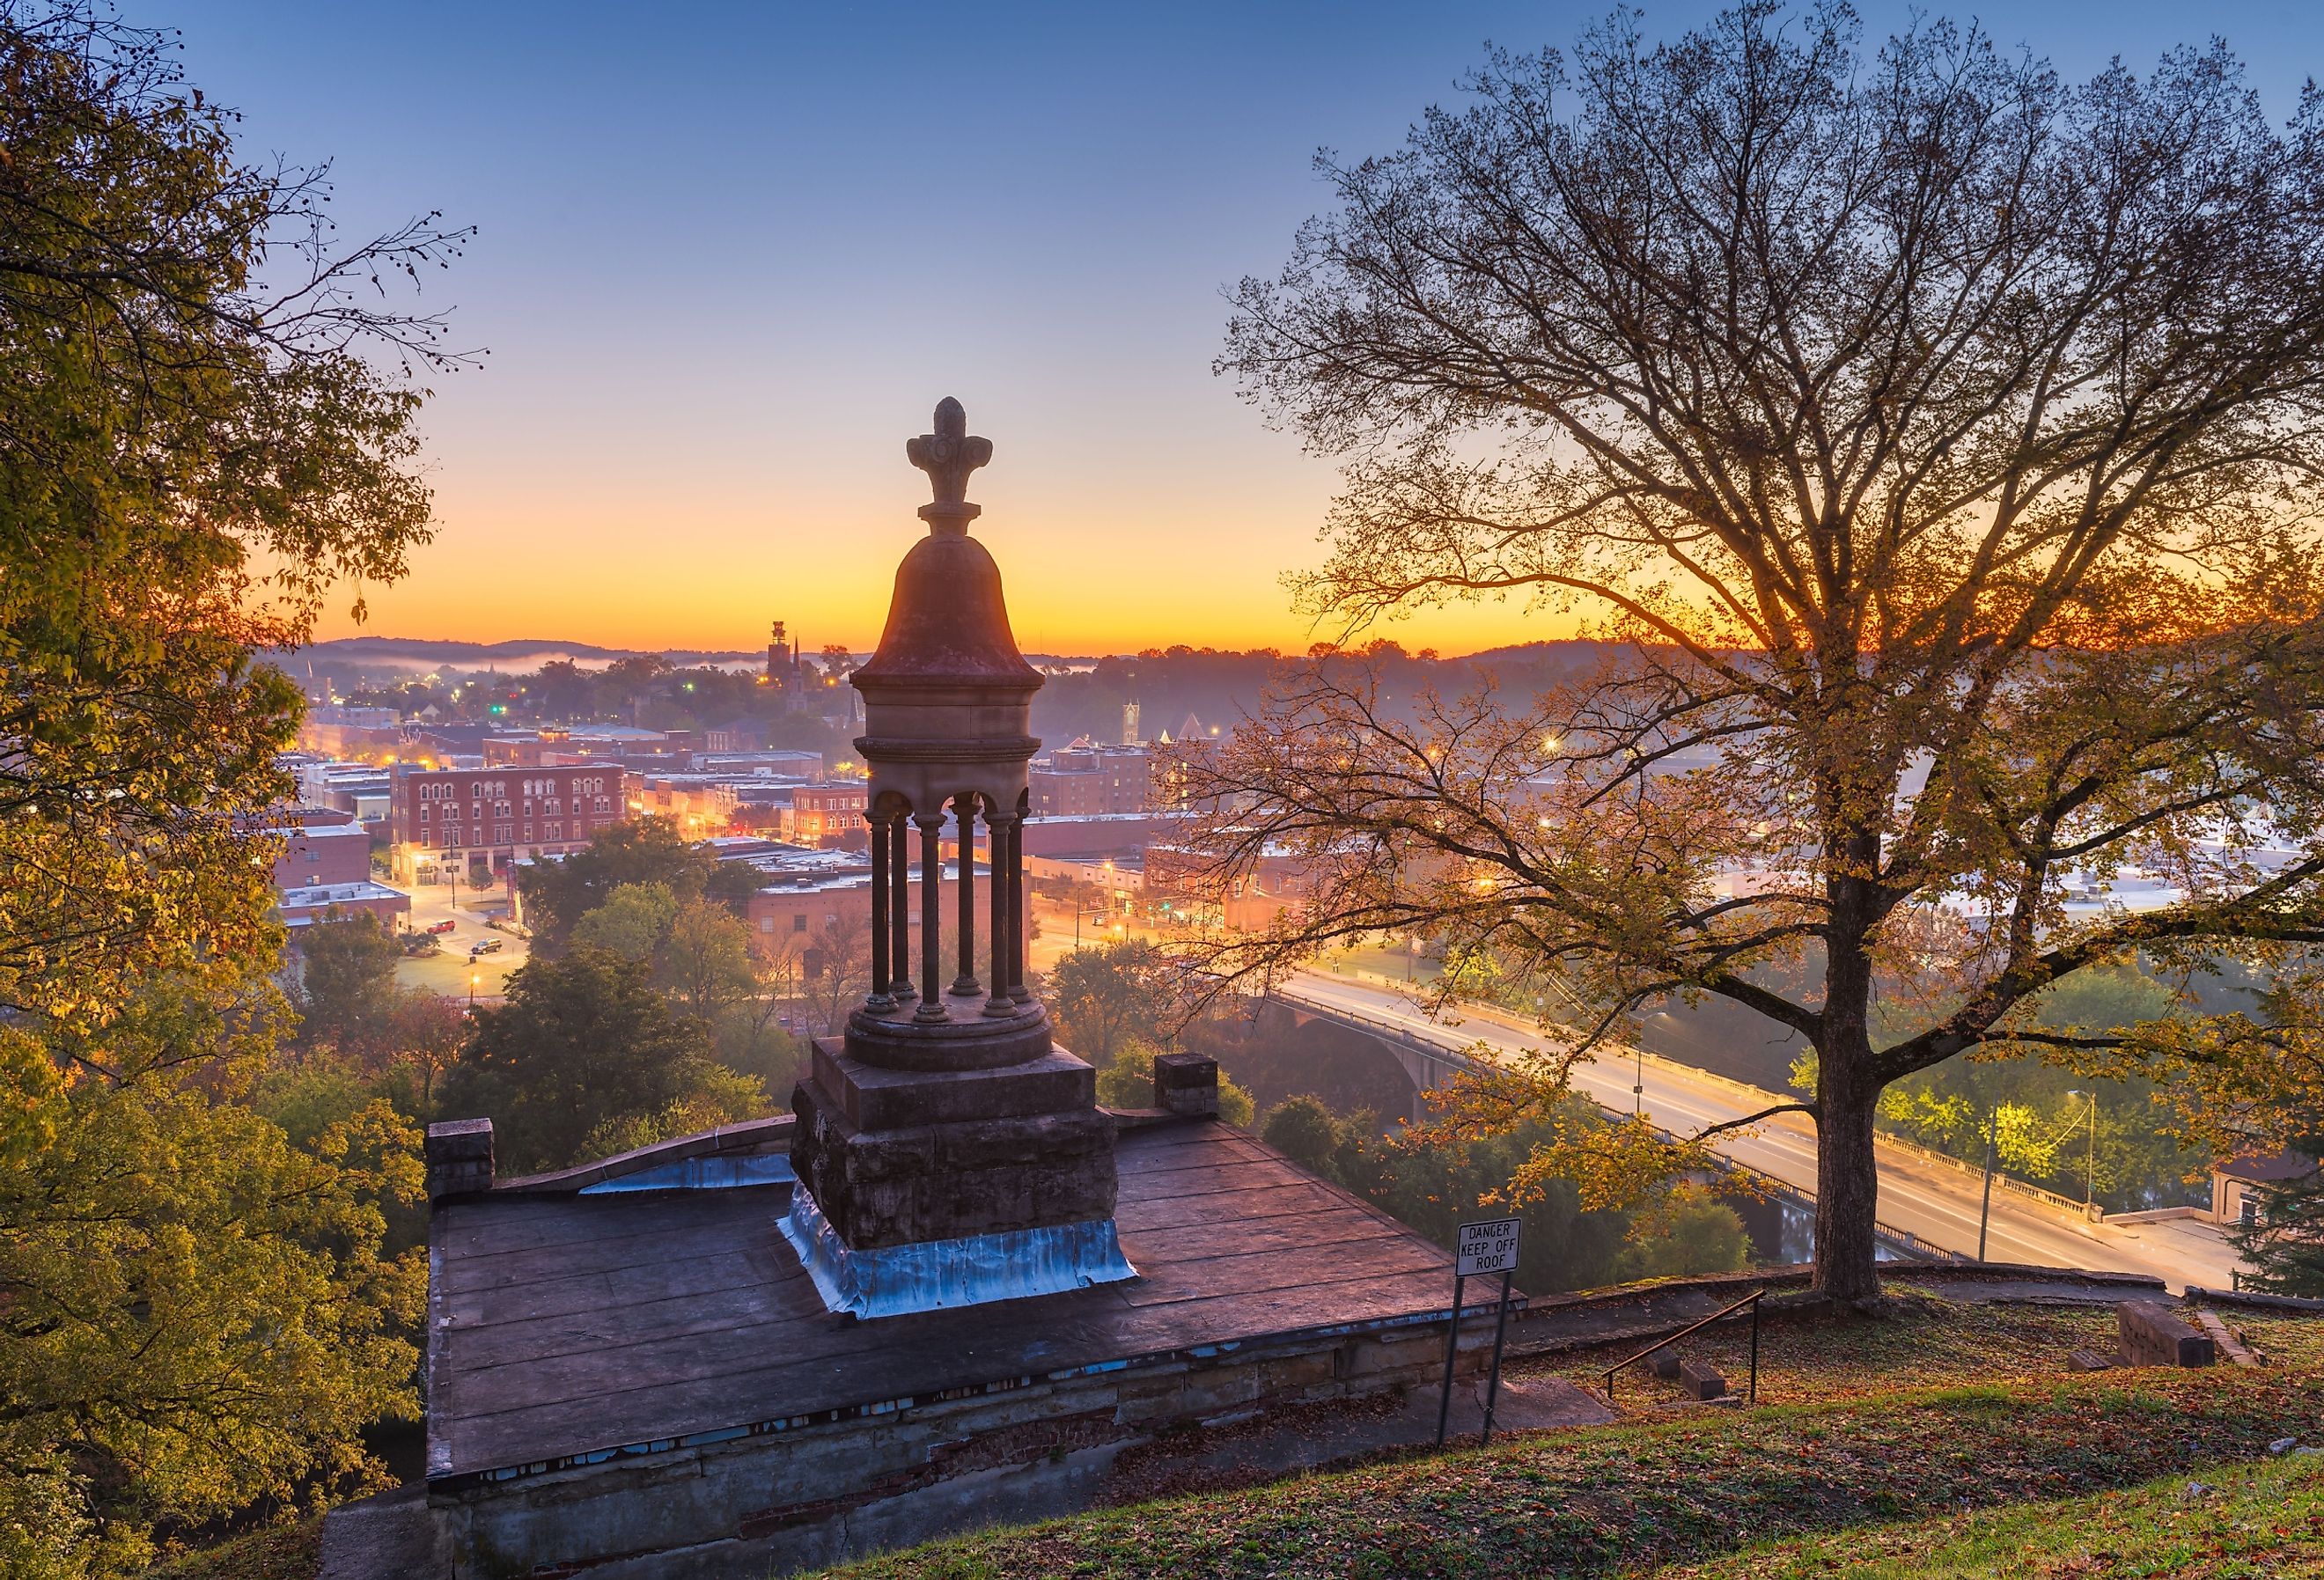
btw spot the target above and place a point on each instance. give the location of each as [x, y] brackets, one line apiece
[1039, 215]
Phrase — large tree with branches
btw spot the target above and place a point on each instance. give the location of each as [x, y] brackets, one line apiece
[1935, 442]
[206, 408]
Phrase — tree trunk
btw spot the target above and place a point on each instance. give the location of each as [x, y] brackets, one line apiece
[1847, 1180]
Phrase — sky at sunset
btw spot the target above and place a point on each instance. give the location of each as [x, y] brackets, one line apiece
[730, 257]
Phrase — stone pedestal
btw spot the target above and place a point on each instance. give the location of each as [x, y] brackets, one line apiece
[947, 1153]
[898, 1156]
[922, 1187]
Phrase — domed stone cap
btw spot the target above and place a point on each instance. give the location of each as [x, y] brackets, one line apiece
[947, 620]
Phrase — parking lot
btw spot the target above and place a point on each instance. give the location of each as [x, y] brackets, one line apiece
[448, 970]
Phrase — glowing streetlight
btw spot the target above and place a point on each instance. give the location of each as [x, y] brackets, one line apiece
[474, 978]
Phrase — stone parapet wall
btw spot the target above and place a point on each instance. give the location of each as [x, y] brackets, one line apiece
[801, 1495]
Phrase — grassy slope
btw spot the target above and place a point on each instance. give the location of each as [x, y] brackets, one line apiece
[2250, 1521]
[290, 1551]
[1943, 1412]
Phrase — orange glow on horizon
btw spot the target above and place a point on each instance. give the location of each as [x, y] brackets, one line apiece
[714, 583]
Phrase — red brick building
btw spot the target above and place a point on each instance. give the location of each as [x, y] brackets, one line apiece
[321, 847]
[826, 814]
[448, 823]
[1083, 780]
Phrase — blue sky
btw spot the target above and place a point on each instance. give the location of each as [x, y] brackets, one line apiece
[729, 256]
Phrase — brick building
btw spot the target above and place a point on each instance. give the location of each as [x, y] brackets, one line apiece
[826, 814]
[322, 847]
[450, 822]
[1083, 780]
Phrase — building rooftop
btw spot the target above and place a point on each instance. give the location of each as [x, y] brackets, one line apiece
[572, 1328]
[321, 896]
[335, 830]
[2267, 1168]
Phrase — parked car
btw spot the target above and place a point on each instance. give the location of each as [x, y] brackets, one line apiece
[445, 926]
[487, 946]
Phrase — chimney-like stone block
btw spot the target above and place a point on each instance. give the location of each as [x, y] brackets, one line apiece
[1186, 1083]
[2151, 1334]
[459, 1156]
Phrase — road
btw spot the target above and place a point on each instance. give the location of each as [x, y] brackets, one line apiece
[1928, 1199]
[448, 970]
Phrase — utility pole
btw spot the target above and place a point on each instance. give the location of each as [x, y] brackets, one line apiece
[1992, 1145]
[2090, 1153]
[2090, 1157]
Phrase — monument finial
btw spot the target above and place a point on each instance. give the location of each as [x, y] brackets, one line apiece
[948, 456]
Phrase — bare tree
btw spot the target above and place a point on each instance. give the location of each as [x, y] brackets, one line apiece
[1936, 442]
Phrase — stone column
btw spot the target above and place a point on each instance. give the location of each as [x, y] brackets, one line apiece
[899, 905]
[999, 829]
[964, 811]
[931, 828]
[1017, 988]
[882, 975]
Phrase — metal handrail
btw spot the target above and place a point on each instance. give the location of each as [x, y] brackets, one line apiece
[1751, 1300]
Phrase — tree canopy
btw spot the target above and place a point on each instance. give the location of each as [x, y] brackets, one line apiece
[207, 408]
[585, 1050]
[1934, 436]
[644, 852]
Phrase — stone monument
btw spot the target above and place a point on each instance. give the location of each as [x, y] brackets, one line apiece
[947, 1152]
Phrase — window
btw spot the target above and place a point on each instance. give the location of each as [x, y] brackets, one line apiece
[2250, 1209]
[767, 924]
[798, 921]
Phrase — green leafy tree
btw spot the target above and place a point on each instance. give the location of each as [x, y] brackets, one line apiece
[647, 851]
[1103, 996]
[581, 1041]
[1303, 1130]
[714, 1094]
[348, 994]
[1693, 1232]
[707, 963]
[1433, 1182]
[192, 458]
[1932, 439]
[633, 923]
[199, 1309]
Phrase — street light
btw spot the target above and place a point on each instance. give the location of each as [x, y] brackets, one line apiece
[2091, 1156]
[474, 977]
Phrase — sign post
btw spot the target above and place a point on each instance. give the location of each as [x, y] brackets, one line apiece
[1481, 1250]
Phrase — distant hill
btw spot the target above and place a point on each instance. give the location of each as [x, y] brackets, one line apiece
[419, 653]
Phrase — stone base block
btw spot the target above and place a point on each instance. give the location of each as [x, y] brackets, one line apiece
[896, 1158]
[1701, 1379]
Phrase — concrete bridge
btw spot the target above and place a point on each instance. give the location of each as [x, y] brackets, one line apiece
[1929, 1204]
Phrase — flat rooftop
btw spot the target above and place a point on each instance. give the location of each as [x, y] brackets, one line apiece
[568, 1329]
